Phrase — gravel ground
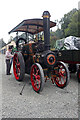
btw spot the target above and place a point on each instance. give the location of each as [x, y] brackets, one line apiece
[0, 87]
[52, 102]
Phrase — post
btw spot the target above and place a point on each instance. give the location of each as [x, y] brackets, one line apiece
[16, 36]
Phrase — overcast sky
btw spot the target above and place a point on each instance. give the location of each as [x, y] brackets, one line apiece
[12, 12]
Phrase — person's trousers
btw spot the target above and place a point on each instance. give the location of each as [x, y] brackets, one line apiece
[8, 66]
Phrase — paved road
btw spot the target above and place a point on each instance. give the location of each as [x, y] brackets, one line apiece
[52, 102]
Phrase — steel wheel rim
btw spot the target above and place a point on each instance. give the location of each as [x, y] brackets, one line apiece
[61, 76]
[35, 78]
[16, 67]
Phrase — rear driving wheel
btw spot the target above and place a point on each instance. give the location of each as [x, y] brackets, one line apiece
[18, 66]
[37, 77]
[62, 75]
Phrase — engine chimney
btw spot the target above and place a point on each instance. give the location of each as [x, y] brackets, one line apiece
[46, 26]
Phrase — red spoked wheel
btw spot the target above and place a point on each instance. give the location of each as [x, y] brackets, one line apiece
[37, 77]
[62, 75]
[78, 75]
[18, 66]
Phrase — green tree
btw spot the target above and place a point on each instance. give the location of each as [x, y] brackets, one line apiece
[53, 39]
[72, 28]
[59, 33]
[66, 20]
[79, 22]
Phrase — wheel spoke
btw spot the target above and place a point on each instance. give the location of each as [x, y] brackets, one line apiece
[18, 65]
[34, 75]
[37, 71]
[37, 83]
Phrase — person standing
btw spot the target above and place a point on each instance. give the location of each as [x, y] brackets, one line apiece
[8, 57]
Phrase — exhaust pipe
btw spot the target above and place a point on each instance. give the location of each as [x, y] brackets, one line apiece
[46, 27]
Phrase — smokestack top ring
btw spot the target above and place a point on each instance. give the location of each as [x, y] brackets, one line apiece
[46, 14]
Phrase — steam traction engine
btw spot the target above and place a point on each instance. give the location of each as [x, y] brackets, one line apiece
[36, 58]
